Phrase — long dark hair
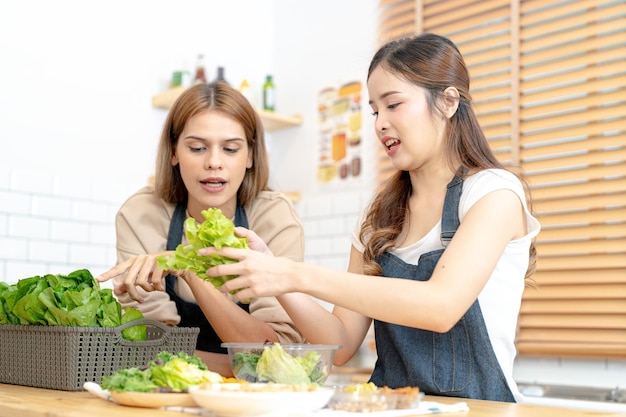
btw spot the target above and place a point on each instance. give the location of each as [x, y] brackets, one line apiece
[434, 63]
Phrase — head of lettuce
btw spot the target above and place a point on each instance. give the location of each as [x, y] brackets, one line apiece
[75, 299]
[215, 231]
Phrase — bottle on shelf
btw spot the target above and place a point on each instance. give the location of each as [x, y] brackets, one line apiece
[220, 75]
[200, 77]
[269, 96]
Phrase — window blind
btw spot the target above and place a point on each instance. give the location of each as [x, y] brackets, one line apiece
[549, 88]
[573, 134]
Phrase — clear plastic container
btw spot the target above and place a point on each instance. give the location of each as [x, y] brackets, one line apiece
[243, 357]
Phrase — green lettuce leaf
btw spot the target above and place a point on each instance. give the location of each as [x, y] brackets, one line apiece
[280, 367]
[216, 231]
[75, 299]
[131, 379]
[165, 356]
[137, 332]
[244, 365]
[110, 312]
[309, 363]
[167, 372]
[177, 374]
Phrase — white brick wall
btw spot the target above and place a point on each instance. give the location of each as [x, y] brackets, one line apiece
[329, 221]
[55, 225]
[593, 372]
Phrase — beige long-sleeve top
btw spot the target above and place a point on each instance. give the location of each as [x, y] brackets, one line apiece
[142, 225]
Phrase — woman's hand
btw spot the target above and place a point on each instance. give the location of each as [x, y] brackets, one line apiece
[254, 241]
[141, 271]
[259, 274]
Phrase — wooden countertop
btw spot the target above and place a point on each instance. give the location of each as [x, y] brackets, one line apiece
[21, 401]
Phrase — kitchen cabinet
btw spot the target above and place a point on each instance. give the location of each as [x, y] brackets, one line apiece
[271, 121]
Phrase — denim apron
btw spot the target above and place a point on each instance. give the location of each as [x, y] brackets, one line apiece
[458, 363]
[191, 314]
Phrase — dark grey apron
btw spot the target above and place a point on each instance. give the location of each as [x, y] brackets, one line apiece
[458, 363]
[191, 314]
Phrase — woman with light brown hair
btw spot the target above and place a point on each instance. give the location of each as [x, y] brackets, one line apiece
[440, 257]
[211, 155]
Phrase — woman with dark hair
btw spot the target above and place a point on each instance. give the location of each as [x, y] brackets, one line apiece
[440, 257]
[211, 155]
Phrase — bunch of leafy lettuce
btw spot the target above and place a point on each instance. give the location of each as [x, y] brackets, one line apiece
[166, 373]
[137, 332]
[75, 299]
[215, 231]
[278, 366]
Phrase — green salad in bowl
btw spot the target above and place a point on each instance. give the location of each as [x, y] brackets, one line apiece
[281, 364]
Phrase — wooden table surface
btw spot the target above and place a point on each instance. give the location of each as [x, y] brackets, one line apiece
[21, 401]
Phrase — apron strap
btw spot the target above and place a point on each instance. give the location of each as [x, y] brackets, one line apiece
[240, 217]
[450, 219]
[175, 235]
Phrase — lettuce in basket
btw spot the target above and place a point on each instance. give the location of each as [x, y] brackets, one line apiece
[215, 231]
[75, 299]
[137, 332]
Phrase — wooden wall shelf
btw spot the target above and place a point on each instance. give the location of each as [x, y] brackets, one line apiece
[271, 121]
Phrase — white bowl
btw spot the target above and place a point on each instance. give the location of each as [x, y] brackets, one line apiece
[235, 400]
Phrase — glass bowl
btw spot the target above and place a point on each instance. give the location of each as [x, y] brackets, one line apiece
[281, 363]
[361, 401]
[365, 398]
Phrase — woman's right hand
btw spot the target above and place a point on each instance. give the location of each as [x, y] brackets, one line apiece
[141, 271]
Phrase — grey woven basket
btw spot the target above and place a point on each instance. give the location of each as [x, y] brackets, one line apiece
[64, 358]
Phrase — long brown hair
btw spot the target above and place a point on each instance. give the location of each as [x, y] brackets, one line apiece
[434, 63]
[221, 97]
